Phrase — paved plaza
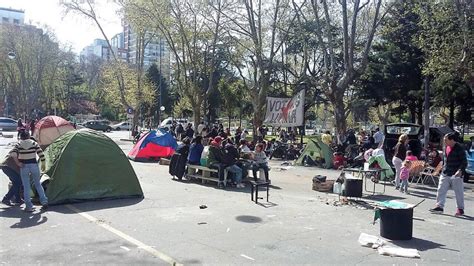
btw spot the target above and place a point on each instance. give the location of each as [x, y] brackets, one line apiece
[299, 226]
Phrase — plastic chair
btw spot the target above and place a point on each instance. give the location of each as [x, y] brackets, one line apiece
[416, 168]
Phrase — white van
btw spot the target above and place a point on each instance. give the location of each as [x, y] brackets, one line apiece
[168, 122]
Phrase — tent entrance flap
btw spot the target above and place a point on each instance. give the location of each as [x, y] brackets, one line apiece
[316, 152]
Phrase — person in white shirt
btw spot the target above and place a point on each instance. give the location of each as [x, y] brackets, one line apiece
[244, 134]
[378, 136]
[243, 146]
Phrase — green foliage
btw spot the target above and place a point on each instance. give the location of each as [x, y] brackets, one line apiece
[394, 72]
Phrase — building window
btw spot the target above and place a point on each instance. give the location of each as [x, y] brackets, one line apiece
[16, 21]
[5, 20]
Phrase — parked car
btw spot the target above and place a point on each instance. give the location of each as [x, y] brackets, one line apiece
[8, 124]
[102, 125]
[393, 132]
[168, 122]
[122, 126]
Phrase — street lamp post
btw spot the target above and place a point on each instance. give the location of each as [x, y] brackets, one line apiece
[11, 56]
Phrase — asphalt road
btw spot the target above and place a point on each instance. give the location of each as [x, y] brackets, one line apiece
[299, 226]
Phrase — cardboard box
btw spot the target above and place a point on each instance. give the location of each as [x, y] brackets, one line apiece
[324, 186]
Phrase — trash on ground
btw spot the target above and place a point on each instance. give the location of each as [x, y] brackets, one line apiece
[367, 240]
[200, 223]
[383, 248]
[202, 207]
[398, 252]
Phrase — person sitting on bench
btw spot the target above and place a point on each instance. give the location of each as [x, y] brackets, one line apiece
[230, 157]
[261, 162]
[195, 151]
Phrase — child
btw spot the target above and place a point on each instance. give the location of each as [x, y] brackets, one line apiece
[260, 159]
[404, 175]
[410, 156]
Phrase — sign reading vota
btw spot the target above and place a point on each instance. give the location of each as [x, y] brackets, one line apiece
[285, 112]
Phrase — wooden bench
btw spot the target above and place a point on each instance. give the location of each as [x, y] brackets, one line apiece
[206, 173]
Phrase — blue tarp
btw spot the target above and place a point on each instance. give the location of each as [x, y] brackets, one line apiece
[161, 138]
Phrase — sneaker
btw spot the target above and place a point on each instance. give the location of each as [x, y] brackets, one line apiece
[437, 209]
[459, 212]
[220, 185]
[44, 207]
[29, 209]
[18, 202]
[7, 202]
[240, 185]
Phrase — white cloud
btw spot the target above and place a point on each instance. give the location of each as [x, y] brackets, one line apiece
[73, 29]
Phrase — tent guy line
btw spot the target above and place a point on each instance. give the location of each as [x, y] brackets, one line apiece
[126, 237]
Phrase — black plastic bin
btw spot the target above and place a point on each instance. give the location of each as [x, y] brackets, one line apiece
[352, 188]
[396, 224]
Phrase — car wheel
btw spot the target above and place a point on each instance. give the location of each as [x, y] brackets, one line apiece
[108, 129]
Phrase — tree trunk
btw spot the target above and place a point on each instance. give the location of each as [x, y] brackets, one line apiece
[451, 114]
[419, 114]
[412, 110]
[337, 102]
[196, 116]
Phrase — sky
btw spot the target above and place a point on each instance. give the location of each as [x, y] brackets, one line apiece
[71, 30]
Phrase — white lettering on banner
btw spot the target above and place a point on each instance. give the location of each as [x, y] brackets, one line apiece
[285, 112]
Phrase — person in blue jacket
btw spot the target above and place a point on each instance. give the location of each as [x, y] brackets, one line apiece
[195, 151]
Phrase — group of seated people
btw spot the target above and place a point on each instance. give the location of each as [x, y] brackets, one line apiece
[222, 154]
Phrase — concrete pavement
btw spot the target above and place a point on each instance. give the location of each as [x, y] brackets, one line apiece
[300, 227]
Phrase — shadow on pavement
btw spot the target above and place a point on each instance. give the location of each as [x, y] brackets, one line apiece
[419, 187]
[26, 219]
[267, 204]
[248, 219]
[95, 205]
[420, 244]
[422, 194]
[379, 197]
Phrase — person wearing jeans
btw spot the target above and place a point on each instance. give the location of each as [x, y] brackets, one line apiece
[11, 169]
[454, 164]
[399, 157]
[237, 171]
[26, 150]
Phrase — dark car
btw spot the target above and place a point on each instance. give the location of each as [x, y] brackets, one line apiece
[102, 125]
[8, 124]
[393, 132]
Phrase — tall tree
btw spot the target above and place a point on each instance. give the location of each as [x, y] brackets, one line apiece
[394, 71]
[357, 23]
[87, 9]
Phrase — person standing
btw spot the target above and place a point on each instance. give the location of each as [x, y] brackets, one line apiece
[378, 137]
[26, 150]
[454, 164]
[404, 175]
[20, 127]
[32, 126]
[11, 169]
[399, 156]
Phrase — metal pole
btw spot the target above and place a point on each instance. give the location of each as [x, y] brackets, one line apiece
[161, 91]
[54, 99]
[427, 112]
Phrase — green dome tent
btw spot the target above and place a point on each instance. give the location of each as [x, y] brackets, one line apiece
[87, 165]
[316, 150]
